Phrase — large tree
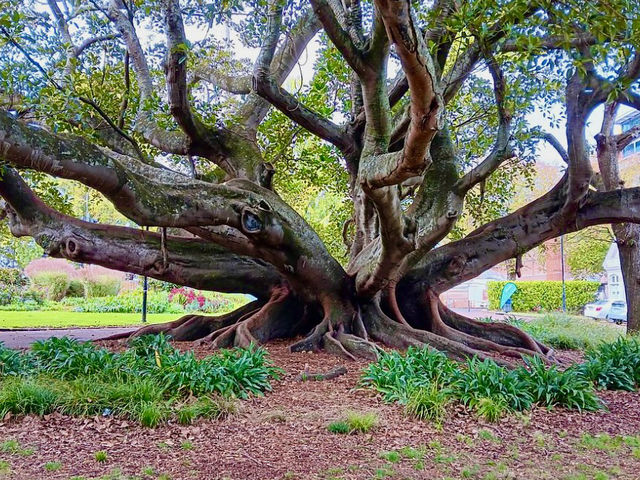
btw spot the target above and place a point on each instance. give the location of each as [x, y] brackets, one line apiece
[422, 107]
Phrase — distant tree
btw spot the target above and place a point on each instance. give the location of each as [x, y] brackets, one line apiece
[416, 115]
[586, 250]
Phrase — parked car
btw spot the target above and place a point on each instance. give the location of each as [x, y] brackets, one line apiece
[618, 312]
[599, 309]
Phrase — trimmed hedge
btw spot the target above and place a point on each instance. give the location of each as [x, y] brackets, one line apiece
[534, 296]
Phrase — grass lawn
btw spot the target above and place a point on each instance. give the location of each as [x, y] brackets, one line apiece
[77, 319]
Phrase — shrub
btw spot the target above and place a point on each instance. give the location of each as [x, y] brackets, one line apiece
[102, 286]
[12, 277]
[49, 265]
[545, 295]
[52, 285]
[76, 289]
[128, 302]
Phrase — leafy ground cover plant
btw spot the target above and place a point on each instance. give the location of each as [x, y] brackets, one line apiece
[150, 382]
[425, 381]
[615, 365]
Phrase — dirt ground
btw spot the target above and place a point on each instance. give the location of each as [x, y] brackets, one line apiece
[284, 436]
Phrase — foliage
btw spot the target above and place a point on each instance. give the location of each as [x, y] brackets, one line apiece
[425, 381]
[614, 366]
[127, 302]
[550, 386]
[102, 286]
[545, 295]
[52, 285]
[149, 383]
[565, 332]
[587, 249]
[428, 402]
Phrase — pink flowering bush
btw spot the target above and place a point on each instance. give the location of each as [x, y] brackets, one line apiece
[49, 265]
[188, 298]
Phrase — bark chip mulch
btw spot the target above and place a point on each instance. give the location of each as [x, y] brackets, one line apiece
[284, 436]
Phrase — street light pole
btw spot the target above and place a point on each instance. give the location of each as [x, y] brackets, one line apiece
[564, 292]
[145, 288]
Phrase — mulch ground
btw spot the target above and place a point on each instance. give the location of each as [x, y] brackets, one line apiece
[284, 436]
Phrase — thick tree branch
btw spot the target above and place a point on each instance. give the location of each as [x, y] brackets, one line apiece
[191, 262]
[501, 149]
[340, 37]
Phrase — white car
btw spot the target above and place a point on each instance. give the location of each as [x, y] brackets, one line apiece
[599, 309]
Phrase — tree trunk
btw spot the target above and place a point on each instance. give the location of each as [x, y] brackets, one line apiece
[627, 237]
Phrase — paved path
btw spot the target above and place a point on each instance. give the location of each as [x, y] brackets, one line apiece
[15, 338]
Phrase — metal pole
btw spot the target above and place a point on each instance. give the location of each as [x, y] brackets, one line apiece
[564, 292]
[145, 287]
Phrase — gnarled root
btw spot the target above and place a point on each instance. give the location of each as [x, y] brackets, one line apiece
[398, 335]
[525, 347]
[345, 337]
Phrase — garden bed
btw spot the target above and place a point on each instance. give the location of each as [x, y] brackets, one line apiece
[284, 435]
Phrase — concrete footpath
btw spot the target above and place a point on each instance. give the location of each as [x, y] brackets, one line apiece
[16, 338]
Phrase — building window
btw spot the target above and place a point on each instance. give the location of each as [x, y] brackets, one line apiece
[614, 279]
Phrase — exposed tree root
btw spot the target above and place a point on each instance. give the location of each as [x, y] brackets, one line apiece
[497, 332]
[478, 342]
[344, 329]
[330, 334]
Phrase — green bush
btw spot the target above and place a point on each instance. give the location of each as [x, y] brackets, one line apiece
[12, 277]
[53, 285]
[128, 302]
[102, 286]
[533, 296]
[76, 289]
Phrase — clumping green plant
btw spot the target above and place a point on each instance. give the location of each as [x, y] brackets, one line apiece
[551, 386]
[491, 409]
[147, 383]
[425, 381]
[615, 365]
[361, 422]
[52, 466]
[339, 427]
[428, 403]
[101, 456]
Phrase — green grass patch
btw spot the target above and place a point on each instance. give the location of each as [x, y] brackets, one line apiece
[568, 332]
[39, 319]
[101, 456]
[354, 422]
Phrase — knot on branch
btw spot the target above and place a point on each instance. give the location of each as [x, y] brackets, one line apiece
[72, 248]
